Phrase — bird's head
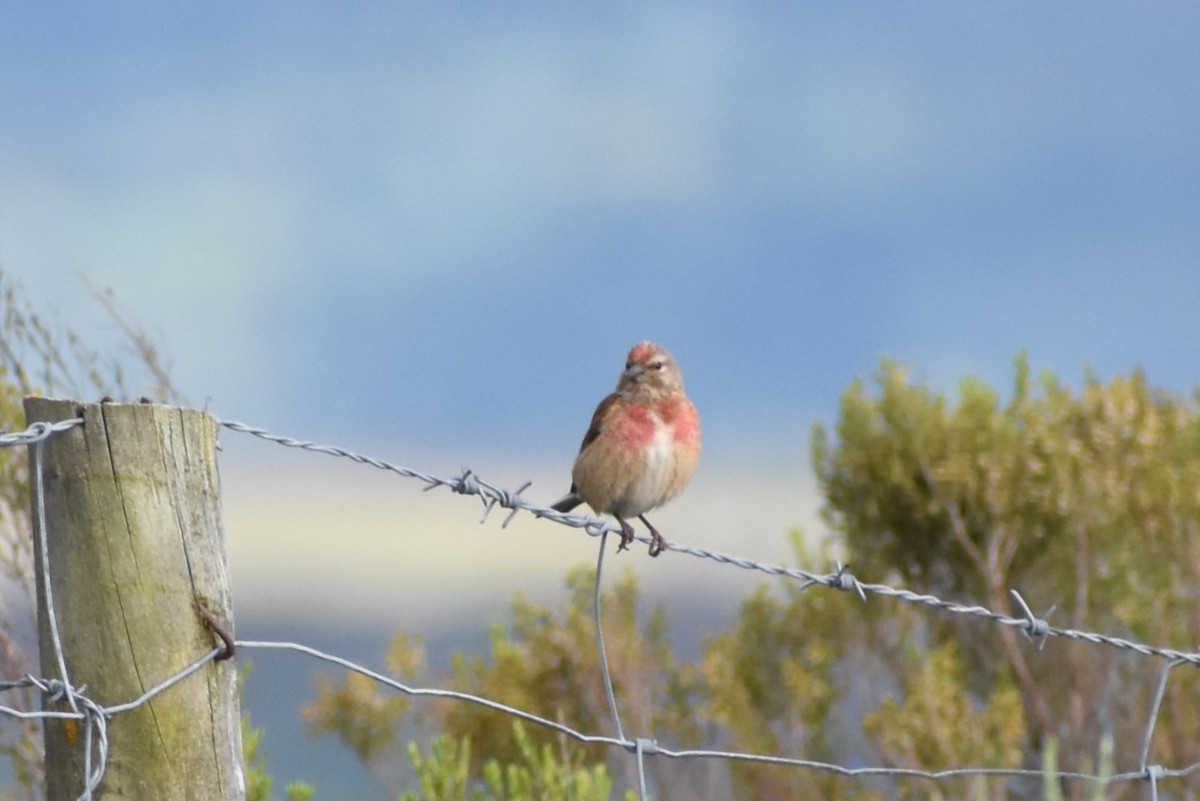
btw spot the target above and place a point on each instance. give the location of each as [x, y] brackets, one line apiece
[650, 370]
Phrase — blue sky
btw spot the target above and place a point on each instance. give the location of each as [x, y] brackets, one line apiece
[432, 232]
[451, 223]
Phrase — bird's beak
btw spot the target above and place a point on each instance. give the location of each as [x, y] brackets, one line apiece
[634, 370]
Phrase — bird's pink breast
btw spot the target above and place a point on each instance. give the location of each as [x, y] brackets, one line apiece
[637, 427]
[680, 416]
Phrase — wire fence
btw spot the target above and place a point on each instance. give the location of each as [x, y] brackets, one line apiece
[96, 718]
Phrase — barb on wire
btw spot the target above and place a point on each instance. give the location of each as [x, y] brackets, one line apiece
[844, 580]
[1035, 628]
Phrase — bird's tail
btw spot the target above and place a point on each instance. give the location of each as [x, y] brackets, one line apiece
[567, 503]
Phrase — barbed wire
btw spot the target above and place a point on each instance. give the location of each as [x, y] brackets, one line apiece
[469, 483]
[96, 717]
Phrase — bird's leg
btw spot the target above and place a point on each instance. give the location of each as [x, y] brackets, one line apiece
[657, 543]
[626, 534]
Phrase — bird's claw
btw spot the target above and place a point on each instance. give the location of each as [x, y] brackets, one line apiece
[627, 536]
[657, 543]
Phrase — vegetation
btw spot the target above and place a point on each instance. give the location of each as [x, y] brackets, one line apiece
[1085, 499]
[542, 774]
[1089, 501]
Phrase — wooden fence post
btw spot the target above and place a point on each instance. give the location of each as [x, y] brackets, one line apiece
[133, 520]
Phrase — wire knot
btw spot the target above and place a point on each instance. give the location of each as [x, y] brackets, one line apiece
[508, 499]
[1033, 627]
[466, 484]
[37, 432]
[644, 745]
[55, 689]
[844, 580]
[1155, 773]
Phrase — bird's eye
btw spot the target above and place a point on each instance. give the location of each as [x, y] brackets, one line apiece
[656, 365]
[628, 365]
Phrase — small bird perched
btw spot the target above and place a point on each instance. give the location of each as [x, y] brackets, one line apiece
[642, 445]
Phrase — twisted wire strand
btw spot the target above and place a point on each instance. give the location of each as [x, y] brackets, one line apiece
[468, 483]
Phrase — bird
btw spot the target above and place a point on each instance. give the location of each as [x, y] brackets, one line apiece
[641, 447]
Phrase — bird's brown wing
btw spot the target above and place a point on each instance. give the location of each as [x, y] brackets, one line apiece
[594, 428]
[598, 419]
